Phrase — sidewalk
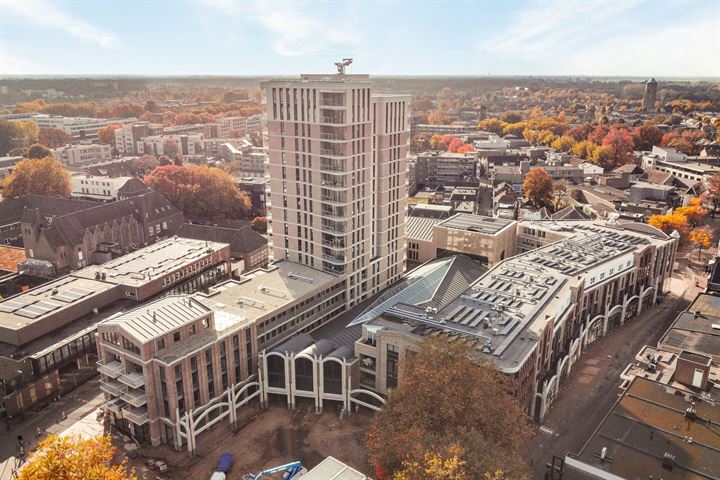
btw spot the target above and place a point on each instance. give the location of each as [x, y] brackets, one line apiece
[80, 409]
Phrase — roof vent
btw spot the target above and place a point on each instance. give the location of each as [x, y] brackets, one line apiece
[54, 291]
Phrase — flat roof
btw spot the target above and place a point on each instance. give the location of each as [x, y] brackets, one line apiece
[141, 266]
[23, 310]
[693, 330]
[333, 469]
[648, 425]
[263, 291]
[476, 223]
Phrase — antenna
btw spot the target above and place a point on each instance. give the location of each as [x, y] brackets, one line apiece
[342, 65]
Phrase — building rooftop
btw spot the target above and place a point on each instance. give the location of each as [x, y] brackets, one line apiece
[476, 223]
[420, 228]
[159, 317]
[10, 257]
[25, 316]
[697, 329]
[333, 469]
[647, 435]
[261, 292]
[154, 261]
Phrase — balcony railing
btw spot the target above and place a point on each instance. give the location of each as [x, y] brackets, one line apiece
[334, 259]
[333, 120]
[333, 215]
[333, 200]
[111, 387]
[332, 228]
[133, 379]
[331, 103]
[138, 416]
[136, 398]
[112, 369]
[331, 136]
[115, 405]
[333, 184]
[332, 167]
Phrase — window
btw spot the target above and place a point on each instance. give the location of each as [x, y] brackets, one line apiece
[393, 356]
[176, 337]
[192, 329]
[161, 344]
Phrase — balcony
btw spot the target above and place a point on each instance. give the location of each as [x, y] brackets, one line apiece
[333, 184]
[336, 152]
[333, 229]
[115, 405]
[334, 215]
[138, 416]
[333, 200]
[112, 369]
[334, 259]
[332, 120]
[136, 398]
[133, 379]
[111, 387]
[333, 103]
[332, 136]
[329, 166]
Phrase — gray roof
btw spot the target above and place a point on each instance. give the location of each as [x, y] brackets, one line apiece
[476, 223]
[11, 209]
[333, 469]
[420, 228]
[157, 318]
[242, 240]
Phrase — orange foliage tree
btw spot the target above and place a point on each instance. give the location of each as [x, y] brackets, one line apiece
[437, 117]
[435, 466]
[37, 176]
[671, 221]
[200, 191]
[75, 458]
[694, 211]
[259, 224]
[713, 190]
[538, 187]
[106, 135]
[446, 397]
[622, 145]
[702, 237]
[53, 137]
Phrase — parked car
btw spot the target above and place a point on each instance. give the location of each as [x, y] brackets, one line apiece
[217, 476]
[225, 463]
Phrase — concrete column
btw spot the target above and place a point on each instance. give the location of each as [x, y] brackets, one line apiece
[319, 388]
[655, 292]
[231, 406]
[534, 399]
[543, 402]
[190, 434]
[346, 397]
[624, 309]
[605, 321]
[177, 429]
[263, 388]
[289, 380]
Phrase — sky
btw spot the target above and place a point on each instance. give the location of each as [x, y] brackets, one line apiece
[638, 38]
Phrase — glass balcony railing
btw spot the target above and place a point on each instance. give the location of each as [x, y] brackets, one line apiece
[133, 379]
[112, 369]
[138, 416]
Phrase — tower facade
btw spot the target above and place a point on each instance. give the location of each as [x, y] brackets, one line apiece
[650, 95]
[336, 154]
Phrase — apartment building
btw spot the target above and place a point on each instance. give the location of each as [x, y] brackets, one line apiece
[531, 315]
[446, 168]
[52, 327]
[336, 163]
[104, 189]
[128, 136]
[186, 144]
[77, 127]
[233, 127]
[173, 368]
[76, 155]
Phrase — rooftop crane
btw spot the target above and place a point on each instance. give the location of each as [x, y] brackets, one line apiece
[292, 470]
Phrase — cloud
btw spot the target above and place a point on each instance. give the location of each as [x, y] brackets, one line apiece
[544, 28]
[293, 32]
[13, 65]
[47, 15]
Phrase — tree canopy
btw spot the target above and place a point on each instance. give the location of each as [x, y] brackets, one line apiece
[450, 413]
[37, 176]
[75, 458]
[106, 134]
[538, 187]
[53, 137]
[200, 191]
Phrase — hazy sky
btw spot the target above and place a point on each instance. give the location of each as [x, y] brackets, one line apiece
[224, 37]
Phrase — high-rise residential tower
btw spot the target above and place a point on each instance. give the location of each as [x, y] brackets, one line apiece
[336, 160]
[650, 95]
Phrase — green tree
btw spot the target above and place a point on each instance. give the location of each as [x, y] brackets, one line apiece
[37, 176]
[447, 397]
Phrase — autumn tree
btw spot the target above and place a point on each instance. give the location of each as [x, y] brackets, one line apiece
[491, 125]
[602, 155]
[436, 142]
[54, 137]
[29, 132]
[702, 237]
[200, 191]
[563, 143]
[511, 117]
[622, 145]
[171, 149]
[713, 189]
[516, 129]
[538, 187]
[106, 134]
[435, 466]
[693, 211]
[38, 151]
[259, 224]
[75, 458]
[671, 222]
[9, 136]
[437, 117]
[143, 165]
[447, 397]
[647, 136]
[37, 176]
